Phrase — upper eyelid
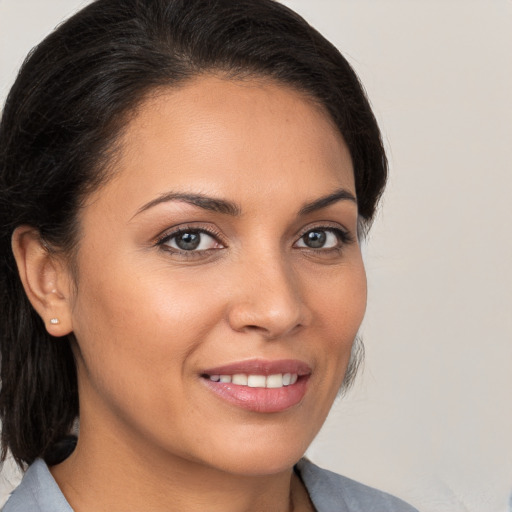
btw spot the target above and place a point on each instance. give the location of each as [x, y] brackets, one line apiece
[218, 235]
[172, 232]
[326, 225]
[344, 236]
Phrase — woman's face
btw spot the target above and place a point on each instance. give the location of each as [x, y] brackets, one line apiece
[219, 265]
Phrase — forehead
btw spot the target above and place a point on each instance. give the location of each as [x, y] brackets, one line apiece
[231, 138]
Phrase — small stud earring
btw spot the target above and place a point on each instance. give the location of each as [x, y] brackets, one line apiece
[54, 321]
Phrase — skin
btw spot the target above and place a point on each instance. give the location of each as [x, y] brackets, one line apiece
[148, 319]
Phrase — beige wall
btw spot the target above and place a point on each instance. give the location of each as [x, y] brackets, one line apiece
[431, 418]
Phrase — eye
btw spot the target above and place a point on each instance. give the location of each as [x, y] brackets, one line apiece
[190, 240]
[323, 238]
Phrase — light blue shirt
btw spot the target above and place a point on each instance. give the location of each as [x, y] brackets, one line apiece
[329, 492]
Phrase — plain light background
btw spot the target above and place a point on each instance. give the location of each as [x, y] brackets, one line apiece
[430, 418]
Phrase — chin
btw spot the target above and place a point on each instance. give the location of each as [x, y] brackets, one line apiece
[260, 464]
[260, 459]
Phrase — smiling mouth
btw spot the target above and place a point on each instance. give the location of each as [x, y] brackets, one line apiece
[274, 381]
[260, 386]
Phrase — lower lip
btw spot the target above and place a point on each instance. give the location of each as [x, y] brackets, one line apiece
[265, 400]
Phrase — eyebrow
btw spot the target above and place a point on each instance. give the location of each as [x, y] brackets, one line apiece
[233, 209]
[339, 195]
[200, 200]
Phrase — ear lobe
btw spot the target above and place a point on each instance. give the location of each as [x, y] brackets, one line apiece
[45, 279]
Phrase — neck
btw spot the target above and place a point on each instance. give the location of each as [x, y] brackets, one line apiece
[145, 479]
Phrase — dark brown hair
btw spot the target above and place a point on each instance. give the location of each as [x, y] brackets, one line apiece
[60, 123]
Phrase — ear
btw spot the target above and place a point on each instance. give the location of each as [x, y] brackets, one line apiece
[45, 278]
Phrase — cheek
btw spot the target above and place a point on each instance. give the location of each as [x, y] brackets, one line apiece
[143, 318]
[339, 307]
[340, 299]
[133, 324]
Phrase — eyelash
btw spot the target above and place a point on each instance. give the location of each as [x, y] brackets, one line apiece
[168, 236]
[344, 237]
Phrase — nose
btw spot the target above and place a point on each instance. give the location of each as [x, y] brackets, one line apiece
[267, 300]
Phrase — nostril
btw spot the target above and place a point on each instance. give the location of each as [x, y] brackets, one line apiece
[272, 332]
[271, 311]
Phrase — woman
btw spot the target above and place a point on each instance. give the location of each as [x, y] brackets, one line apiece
[183, 188]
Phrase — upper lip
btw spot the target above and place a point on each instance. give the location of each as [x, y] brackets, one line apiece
[261, 367]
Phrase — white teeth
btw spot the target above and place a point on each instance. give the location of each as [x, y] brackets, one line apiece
[240, 379]
[275, 381]
[256, 381]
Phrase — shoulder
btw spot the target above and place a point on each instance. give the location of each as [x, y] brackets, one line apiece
[37, 492]
[331, 492]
